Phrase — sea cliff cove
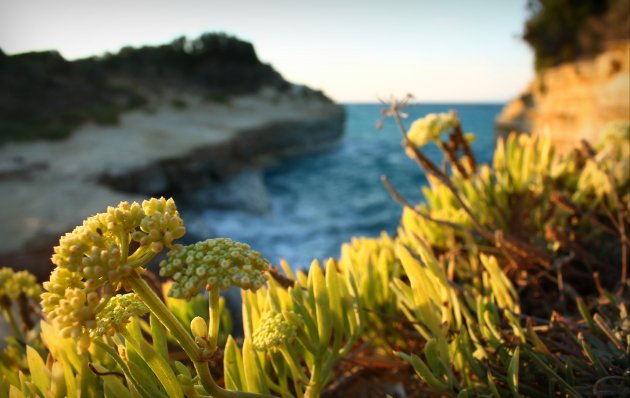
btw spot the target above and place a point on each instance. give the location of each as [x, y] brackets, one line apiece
[177, 142]
[314, 199]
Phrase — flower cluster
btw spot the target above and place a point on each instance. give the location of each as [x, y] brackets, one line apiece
[15, 284]
[71, 309]
[94, 259]
[116, 314]
[430, 127]
[99, 249]
[212, 263]
[275, 329]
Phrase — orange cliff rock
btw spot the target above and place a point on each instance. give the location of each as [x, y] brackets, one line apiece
[575, 100]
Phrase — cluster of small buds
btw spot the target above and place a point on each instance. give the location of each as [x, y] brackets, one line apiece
[95, 258]
[117, 313]
[60, 280]
[15, 284]
[99, 249]
[430, 127]
[275, 329]
[212, 263]
[66, 305]
[160, 226]
[73, 313]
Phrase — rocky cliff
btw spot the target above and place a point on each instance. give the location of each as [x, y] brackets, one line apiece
[190, 153]
[193, 119]
[574, 100]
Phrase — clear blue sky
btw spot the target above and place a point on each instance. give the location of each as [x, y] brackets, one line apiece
[447, 50]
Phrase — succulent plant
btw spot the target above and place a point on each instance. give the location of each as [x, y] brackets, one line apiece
[94, 260]
[510, 279]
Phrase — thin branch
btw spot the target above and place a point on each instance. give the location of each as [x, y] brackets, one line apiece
[99, 373]
[400, 199]
[512, 243]
[279, 277]
[597, 392]
[590, 152]
[452, 158]
[606, 329]
[459, 137]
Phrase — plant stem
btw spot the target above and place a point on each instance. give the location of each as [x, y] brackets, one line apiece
[299, 378]
[459, 137]
[509, 242]
[85, 375]
[213, 313]
[131, 381]
[166, 317]
[12, 323]
[213, 389]
[312, 390]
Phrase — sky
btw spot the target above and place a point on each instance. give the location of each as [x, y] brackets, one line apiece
[355, 51]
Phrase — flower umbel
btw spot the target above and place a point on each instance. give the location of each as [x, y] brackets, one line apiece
[116, 314]
[430, 127]
[14, 284]
[219, 262]
[95, 258]
[274, 330]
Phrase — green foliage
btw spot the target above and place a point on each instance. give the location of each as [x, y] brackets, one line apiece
[509, 280]
[546, 223]
[217, 97]
[297, 333]
[47, 97]
[565, 30]
[179, 103]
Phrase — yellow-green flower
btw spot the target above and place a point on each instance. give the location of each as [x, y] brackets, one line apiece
[95, 258]
[99, 249]
[13, 284]
[117, 313]
[274, 330]
[219, 262]
[430, 127]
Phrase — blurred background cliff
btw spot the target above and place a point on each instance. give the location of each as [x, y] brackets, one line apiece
[258, 152]
[582, 62]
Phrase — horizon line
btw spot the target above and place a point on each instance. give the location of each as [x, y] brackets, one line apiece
[429, 102]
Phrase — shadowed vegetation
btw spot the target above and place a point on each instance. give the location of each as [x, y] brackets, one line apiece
[46, 96]
[565, 30]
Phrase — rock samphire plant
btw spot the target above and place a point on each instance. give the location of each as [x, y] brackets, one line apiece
[509, 279]
[108, 254]
[509, 269]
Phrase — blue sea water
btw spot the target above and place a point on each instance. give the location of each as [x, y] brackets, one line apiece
[322, 200]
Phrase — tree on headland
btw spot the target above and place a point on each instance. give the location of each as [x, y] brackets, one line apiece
[47, 96]
[565, 30]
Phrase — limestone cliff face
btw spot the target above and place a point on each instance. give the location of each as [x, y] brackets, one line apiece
[574, 101]
[206, 154]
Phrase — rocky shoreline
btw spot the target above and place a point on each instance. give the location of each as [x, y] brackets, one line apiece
[207, 154]
[575, 100]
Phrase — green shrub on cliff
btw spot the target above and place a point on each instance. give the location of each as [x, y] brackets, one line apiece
[46, 96]
[511, 279]
[565, 30]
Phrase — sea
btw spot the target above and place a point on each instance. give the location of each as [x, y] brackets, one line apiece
[321, 200]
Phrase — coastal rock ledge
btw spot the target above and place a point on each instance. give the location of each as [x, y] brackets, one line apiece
[575, 100]
[48, 187]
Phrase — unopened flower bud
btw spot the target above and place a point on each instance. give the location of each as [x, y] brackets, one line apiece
[199, 327]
